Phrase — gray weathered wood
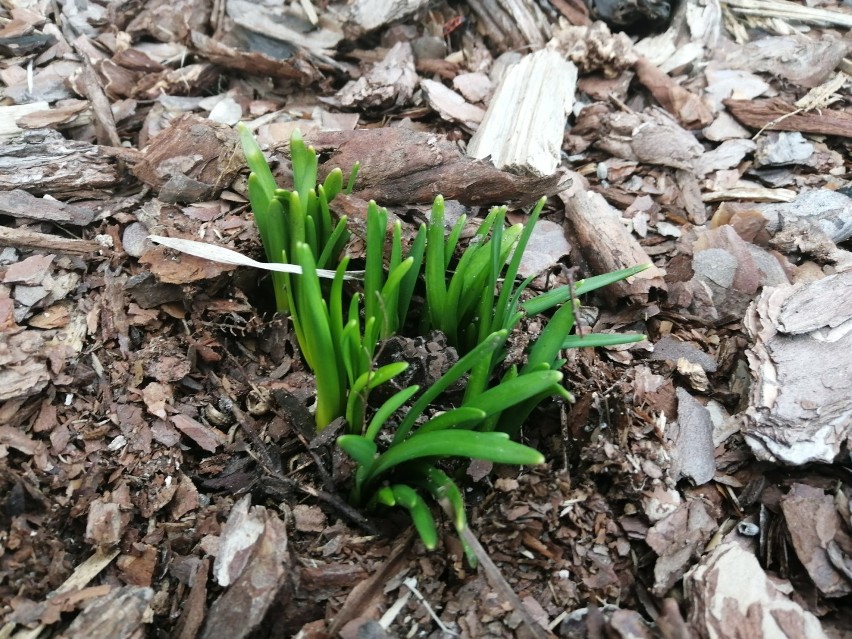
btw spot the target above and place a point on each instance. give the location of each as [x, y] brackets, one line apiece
[42, 161]
[799, 410]
[21, 204]
[23, 238]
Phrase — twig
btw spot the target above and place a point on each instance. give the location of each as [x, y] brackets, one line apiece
[495, 577]
[106, 131]
[363, 593]
[790, 11]
[411, 584]
[23, 238]
[817, 98]
[393, 611]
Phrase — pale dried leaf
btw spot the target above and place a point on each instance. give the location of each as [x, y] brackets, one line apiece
[227, 256]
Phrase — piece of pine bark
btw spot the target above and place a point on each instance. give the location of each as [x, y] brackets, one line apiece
[63, 114]
[121, 614]
[799, 409]
[42, 161]
[690, 110]
[366, 15]
[774, 114]
[192, 160]
[90, 84]
[274, 24]
[297, 67]
[523, 129]
[801, 60]
[577, 13]
[594, 49]
[451, 106]
[813, 522]
[400, 166]
[731, 596]
[652, 136]
[21, 204]
[23, 365]
[363, 596]
[256, 565]
[192, 616]
[9, 116]
[606, 243]
[389, 83]
[821, 209]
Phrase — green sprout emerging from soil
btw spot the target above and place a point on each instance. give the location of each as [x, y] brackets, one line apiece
[402, 446]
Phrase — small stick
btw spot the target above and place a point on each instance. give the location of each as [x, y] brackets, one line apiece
[411, 584]
[492, 572]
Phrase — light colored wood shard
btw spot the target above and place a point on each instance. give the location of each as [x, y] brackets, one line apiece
[10, 114]
[790, 11]
[523, 128]
[371, 14]
[450, 105]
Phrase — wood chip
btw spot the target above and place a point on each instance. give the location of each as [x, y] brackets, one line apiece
[389, 83]
[19, 203]
[23, 238]
[121, 613]
[512, 24]
[790, 11]
[450, 105]
[400, 166]
[799, 410]
[606, 243]
[774, 114]
[43, 162]
[207, 438]
[523, 128]
[732, 596]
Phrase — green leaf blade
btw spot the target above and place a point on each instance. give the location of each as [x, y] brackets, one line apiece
[596, 340]
[318, 347]
[388, 408]
[256, 161]
[436, 288]
[421, 516]
[484, 349]
[359, 448]
[557, 296]
[513, 391]
[549, 342]
[493, 447]
[462, 417]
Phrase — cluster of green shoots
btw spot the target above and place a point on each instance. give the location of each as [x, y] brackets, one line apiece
[471, 295]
